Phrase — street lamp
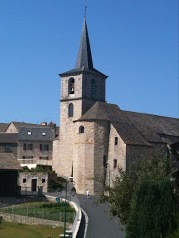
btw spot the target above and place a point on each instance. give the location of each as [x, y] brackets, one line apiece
[73, 193]
[108, 167]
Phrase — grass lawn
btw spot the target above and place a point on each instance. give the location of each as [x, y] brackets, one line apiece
[14, 230]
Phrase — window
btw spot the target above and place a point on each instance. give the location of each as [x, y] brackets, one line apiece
[29, 133]
[81, 129]
[43, 133]
[44, 147]
[114, 163]
[27, 146]
[71, 86]
[93, 88]
[43, 157]
[24, 146]
[24, 180]
[43, 180]
[27, 157]
[70, 110]
[116, 141]
[7, 148]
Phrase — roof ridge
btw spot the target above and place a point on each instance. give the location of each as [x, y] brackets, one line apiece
[149, 114]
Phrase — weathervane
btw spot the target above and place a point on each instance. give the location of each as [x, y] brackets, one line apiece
[85, 8]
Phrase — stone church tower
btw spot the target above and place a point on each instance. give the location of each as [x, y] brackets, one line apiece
[81, 88]
[95, 137]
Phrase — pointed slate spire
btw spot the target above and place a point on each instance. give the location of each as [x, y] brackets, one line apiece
[84, 58]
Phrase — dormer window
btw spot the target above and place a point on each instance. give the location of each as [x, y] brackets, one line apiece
[71, 86]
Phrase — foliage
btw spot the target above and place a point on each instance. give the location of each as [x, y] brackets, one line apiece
[58, 184]
[152, 210]
[24, 169]
[120, 195]
[42, 168]
[38, 168]
[126, 183]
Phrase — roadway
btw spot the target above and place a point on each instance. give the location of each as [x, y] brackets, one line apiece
[100, 224]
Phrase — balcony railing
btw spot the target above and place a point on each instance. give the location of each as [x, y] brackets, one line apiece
[35, 161]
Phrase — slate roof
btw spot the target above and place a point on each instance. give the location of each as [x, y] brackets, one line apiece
[154, 127]
[8, 137]
[28, 125]
[134, 128]
[84, 54]
[8, 162]
[3, 126]
[41, 133]
[84, 61]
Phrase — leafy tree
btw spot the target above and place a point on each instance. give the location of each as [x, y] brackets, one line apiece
[120, 195]
[152, 210]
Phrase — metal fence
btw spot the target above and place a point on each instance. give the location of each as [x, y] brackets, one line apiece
[53, 213]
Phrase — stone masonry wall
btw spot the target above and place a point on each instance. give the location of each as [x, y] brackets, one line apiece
[117, 152]
[30, 220]
[90, 148]
[11, 129]
[83, 160]
[35, 152]
[101, 137]
[42, 180]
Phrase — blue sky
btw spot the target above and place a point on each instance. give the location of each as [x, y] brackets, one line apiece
[135, 43]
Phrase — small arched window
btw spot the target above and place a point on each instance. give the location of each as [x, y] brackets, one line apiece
[81, 129]
[71, 86]
[70, 110]
[93, 88]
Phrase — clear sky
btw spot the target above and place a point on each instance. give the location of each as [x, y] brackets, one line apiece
[135, 43]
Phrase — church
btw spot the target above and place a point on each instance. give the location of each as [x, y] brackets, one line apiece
[96, 137]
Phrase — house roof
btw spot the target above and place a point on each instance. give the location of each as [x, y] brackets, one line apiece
[8, 162]
[36, 133]
[134, 128]
[3, 126]
[8, 137]
[28, 125]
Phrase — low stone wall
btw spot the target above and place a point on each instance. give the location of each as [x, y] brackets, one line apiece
[31, 220]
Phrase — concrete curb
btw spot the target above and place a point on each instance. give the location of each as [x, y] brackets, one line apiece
[77, 221]
[86, 223]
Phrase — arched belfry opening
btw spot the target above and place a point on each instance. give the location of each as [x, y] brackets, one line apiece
[93, 88]
[71, 86]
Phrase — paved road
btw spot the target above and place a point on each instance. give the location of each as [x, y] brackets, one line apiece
[101, 225]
